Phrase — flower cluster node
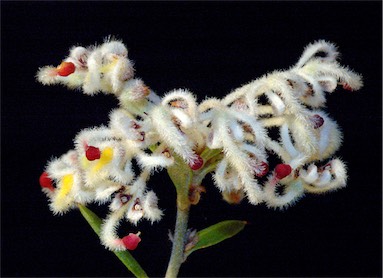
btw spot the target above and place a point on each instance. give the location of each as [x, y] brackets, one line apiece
[279, 114]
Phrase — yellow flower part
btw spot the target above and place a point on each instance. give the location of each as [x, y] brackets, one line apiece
[105, 70]
[108, 67]
[85, 163]
[66, 186]
[106, 158]
[63, 200]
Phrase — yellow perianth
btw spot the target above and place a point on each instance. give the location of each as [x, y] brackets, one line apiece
[106, 157]
[85, 162]
[66, 185]
[109, 66]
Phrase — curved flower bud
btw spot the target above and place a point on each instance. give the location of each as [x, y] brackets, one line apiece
[171, 135]
[313, 50]
[330, 177]
[79, 56]
[293, 191]
[108, 233]
[150, 207]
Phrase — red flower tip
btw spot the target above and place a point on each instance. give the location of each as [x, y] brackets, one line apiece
[92, 153]
[282, 171]
[46, 182]
[66, 68]
[261, 169]
[347, 87]
[196, 163]
[131, 241]
[317, 121]
[142, 139]
[135, 125]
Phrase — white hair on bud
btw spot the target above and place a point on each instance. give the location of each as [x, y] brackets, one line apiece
[220, 177]
[153, 161]
[89, 136]
[170, 134]
[92, 82]
[323, 179]
[150, 207]
[317, 97]
[292, 193]
[332, 178]
[108, 234]
[330, 137]
[135, 210]
[133, 90]
[329, 49]
[287, 142]
[253, 191]
[328, 83]
[239, 160]
[114, 47]
[105, 190]
[120, 73]
[344, 74]
[123, 125]
[237, 131]
[184, 96]
[276, 103]
[78, 55]
[184, 119]
[47, 75]
[309, 175]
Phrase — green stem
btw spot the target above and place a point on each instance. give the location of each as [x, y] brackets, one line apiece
[177, 255]
[182, 177]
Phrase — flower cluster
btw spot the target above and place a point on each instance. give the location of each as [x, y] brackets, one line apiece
[234, 138]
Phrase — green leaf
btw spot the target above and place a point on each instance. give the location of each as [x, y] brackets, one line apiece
[125, 256]
[93, 220]
[216, 233]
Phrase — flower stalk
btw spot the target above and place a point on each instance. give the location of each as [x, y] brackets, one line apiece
[177, 256]
[181, 176]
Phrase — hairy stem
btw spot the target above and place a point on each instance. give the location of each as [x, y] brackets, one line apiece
[177, 255]
[182, 178]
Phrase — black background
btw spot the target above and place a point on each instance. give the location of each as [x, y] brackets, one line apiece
[209, 48]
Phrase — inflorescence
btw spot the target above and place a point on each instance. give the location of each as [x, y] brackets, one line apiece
[237, 131]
